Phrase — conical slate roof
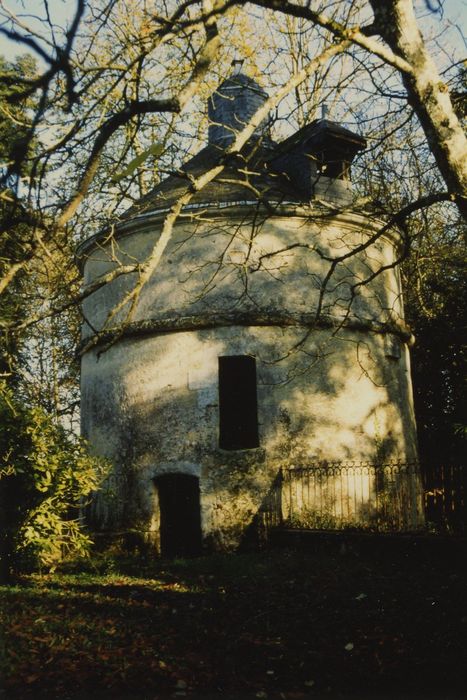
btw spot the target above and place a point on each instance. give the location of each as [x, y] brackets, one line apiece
[247, 177]
[264, 171]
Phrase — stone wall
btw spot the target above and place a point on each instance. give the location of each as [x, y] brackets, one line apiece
[245, 261]
[151, 405]
[333, 385]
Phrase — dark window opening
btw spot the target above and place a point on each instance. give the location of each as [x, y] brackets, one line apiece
[180, 515]
[335, 169]
[238, 405]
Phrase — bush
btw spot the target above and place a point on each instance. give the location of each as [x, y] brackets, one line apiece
[45, 475]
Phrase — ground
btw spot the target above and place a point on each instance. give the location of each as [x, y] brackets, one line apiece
[324, 620]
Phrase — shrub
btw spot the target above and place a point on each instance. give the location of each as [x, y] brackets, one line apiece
[45, 475]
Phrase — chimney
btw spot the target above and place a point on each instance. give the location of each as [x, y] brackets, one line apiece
[232, 106]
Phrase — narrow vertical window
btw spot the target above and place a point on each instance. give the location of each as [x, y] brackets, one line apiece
[238, 406]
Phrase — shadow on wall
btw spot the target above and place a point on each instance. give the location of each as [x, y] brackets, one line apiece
[167, 417]
[268, 517]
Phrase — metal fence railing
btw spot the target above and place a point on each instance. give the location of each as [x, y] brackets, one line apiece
[388, 497]
[362, 495]
[445, 502]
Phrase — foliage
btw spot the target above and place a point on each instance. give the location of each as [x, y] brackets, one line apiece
[436, 305]
[45, 472]
[15, 116]
[36, 343]
[15, 124]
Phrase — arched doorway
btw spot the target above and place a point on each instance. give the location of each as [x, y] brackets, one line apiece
[180, 515]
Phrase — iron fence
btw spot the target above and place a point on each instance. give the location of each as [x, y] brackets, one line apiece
[444, 490]
[387, 497]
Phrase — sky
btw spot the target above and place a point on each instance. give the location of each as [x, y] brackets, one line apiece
[61, 12]
[27, 11]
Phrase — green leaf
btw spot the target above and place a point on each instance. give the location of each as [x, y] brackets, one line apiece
[154, 150]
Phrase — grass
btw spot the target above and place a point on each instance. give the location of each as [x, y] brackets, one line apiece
[277, 624]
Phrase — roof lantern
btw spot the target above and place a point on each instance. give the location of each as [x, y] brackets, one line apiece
[334, 147]
[316, 159]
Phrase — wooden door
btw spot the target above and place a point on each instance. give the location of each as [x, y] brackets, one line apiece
[180, 516]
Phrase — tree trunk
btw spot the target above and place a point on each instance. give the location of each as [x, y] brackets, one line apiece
[429, 96]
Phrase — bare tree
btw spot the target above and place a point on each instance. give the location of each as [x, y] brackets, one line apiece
[119, 87]
[404, 49]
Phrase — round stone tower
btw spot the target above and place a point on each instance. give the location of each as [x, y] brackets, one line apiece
[269, 342]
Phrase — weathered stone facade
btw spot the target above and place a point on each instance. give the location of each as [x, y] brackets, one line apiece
[242, 279]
